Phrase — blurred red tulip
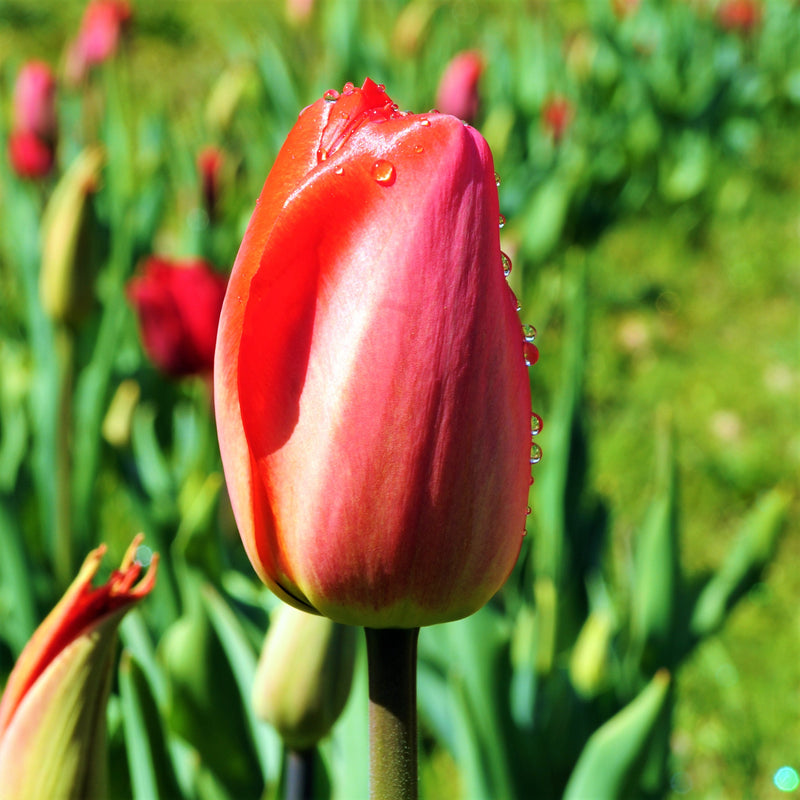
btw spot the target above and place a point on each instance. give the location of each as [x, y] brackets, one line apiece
[557, 114]
[98, 39]
[209, 165]
[372, 400]
[52, 714]
[741, 16]
[458, 88]
[30, 156]
[34, 101]
[178, 305]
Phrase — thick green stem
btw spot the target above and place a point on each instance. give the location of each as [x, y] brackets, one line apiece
[300, 774]
[392, 663]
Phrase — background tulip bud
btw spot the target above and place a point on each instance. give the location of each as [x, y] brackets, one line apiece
[99, 36]
[34, 101]
[29, 156]
[178, 305]
[304, 675]
[458, 88]
[52, 714]
[70, 240]
[373, 405]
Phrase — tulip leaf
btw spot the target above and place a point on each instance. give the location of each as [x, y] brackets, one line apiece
[242, 659]
[150, 767]
[612, 761]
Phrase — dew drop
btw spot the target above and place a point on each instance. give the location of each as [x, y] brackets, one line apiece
[497, 180]
[536, 454]
[514, 300]
[528, 333]
[506, 261]
[331, 95]
[536, 424]
[348, 88]
[384, 172]
[528, 511]
[322, 155]
[501, 221]
[418, 148]
[434, 111]
[425, 122]
[338, 171]
[531, 354]
[381, 87]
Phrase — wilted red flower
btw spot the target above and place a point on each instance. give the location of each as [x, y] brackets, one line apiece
[35, 101]
[99, 35]
[372, 399]
[557, 114]
[458, 88]
[52, 714]
[30, 156]
[209, 165]
[741, 16]
[178, 305]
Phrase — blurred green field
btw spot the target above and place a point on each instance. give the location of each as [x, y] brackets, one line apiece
[676, 191]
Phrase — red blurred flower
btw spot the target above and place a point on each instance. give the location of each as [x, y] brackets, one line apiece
[741, 16]
[209, 164]
[178, 305]
[52, 714]
[458, 88]
[557, 115]
[373, 405]
[35, 101]
[30, 156]
[99, 36]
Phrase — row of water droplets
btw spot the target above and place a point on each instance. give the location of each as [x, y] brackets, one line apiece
[530, 352]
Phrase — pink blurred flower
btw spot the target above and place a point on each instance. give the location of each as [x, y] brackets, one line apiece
[34, 108]
[30, 156]
[557, 115]
[740, 16]
[209, 164]
[178, 304]
[458, 88]
[99, 35]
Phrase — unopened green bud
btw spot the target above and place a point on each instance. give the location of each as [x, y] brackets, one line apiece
[304, 675]
[235, 83]
[69, 241]
[588, 664]
[119, 417]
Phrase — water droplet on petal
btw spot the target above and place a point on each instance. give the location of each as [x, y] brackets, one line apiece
[384, 172]
[338, 171]
[381, 87]
[536, 453]
[528, 333]
[331, 95]
[536, 424]
[531, 354]
[348, 88]
[501, 221]
[497, 180]
[425, 122]
[528, 511]
[434, 111]
[418, 148]
[322, 155]
[506, 261]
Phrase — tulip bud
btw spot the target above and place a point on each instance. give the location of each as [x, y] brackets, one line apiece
[34, 101]
[29, 156]
[304, 675]
[372, 399]
[99, 36]
[69, 233]
[458, 88]
[178, 305]
[739, 16]
[588, 664]
[52, 714]
[557, 116]
[209, 165]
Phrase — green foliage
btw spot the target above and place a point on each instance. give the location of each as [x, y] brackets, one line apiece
[651, 242]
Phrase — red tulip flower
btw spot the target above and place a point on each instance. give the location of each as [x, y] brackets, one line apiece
[372, 400]
[52, 714]
[178, 305]
[557, 115]
[741, 16]
[30, 156]
[458, 88]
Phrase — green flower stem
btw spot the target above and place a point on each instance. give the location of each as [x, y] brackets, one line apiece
[392, 664]
[300, 774]
[65, 349]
